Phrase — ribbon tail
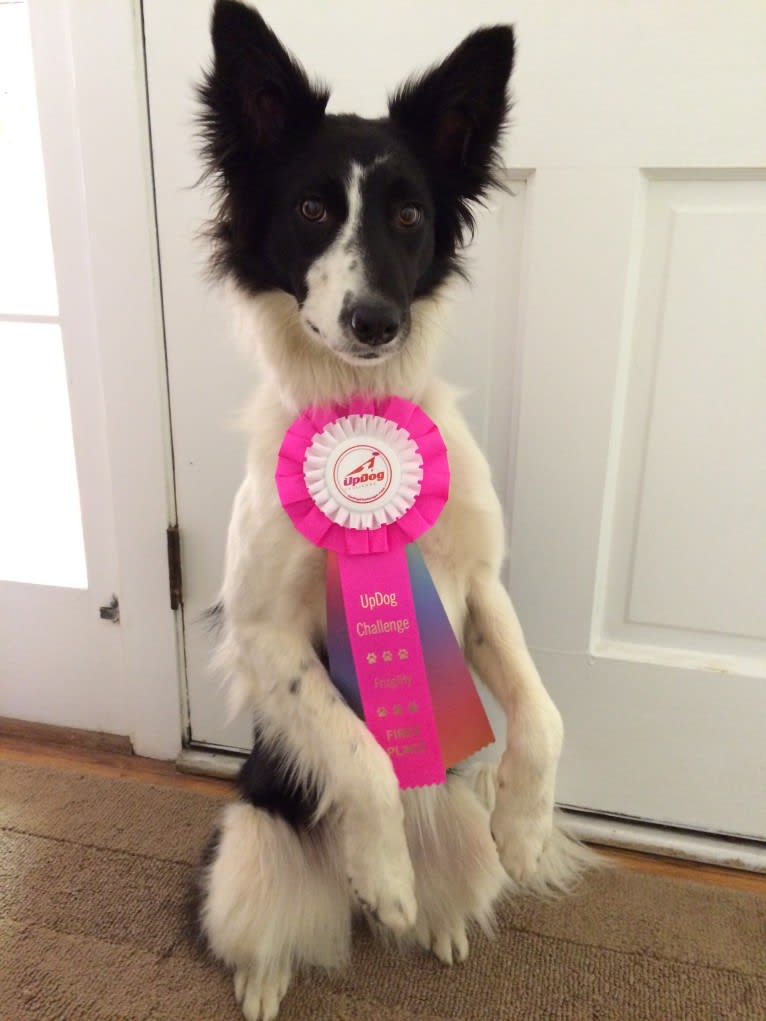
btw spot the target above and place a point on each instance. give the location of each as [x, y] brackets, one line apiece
[461, 719]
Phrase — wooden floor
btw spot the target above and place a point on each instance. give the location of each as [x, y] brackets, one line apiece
[105, 755]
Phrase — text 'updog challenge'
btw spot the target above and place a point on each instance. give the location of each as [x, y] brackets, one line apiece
[373, 601]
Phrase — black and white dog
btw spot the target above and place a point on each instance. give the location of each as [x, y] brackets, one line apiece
[338, 236]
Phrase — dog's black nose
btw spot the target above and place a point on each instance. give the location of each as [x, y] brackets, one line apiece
[375, 324]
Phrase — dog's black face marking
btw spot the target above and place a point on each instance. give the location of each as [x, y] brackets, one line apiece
[340, 212]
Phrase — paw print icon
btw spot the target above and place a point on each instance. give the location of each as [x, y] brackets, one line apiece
[372, 658]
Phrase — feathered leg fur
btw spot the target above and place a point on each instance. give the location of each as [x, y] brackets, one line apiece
[276, 897]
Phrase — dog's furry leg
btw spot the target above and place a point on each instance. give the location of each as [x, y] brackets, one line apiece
[522, 817]
[300, 713]
[458, 876]
[274, 898]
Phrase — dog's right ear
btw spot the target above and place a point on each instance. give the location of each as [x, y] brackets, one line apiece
[256, 96]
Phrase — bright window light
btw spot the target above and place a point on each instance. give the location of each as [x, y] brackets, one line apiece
[40, 528]
[27, 279]
[41, 539]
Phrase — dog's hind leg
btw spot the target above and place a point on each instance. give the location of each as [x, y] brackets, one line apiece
[273, 899]
[458, 874]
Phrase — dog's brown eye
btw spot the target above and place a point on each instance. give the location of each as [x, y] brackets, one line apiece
[409, 216]
[314, 210]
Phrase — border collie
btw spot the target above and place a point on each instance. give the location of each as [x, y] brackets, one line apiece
[338, 236]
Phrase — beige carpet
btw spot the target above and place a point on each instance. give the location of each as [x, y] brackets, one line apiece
[94, 872]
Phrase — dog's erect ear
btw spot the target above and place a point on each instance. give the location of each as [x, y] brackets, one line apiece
[453, 114]
[256, 95]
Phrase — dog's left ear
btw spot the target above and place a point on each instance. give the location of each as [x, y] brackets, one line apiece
[453, 114]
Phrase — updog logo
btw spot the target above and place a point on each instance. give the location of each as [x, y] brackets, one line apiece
[362, 473]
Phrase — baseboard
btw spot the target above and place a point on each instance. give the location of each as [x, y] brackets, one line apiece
[724, 852]
[222, 765]
[66, 737]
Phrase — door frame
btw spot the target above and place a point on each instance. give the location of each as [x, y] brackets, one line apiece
[93, 58]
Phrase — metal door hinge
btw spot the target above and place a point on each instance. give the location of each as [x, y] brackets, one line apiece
[111, 612]
[174, 567]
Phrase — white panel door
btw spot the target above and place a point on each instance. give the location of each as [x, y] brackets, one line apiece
[613, 351]
[60, 662]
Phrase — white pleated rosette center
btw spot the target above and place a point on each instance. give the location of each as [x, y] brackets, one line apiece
[363, 471]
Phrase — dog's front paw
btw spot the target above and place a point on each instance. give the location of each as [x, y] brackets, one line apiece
[521, 838]
[522, 819]
[388, 896]
[381, 879]
[260, 994]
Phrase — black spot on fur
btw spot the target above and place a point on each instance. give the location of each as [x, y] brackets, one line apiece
[295, 685]
[268, 781]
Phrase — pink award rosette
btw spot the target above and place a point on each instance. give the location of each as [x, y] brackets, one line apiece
[365, 480]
